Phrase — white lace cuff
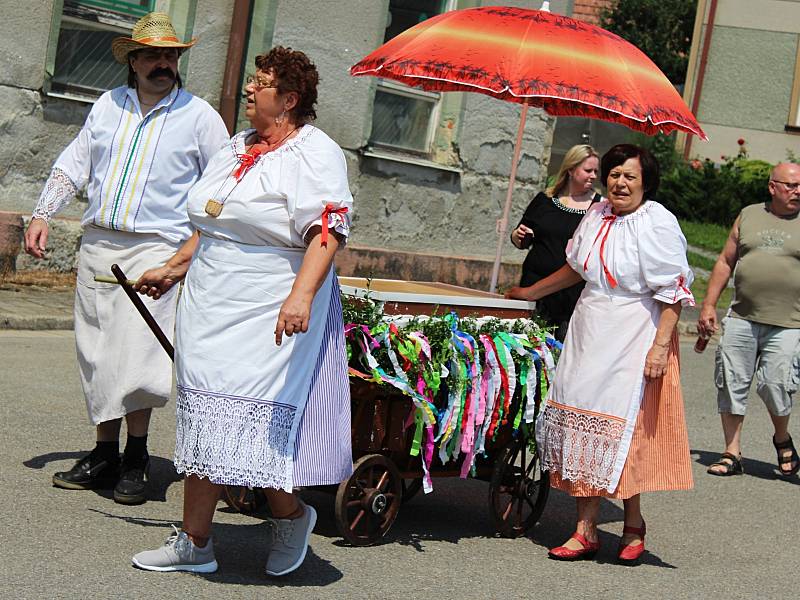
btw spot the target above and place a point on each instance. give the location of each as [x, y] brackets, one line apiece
[57, 193]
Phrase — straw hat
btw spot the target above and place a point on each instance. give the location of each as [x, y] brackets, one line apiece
[154, 30]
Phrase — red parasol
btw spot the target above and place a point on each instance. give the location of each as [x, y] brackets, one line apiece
[565, 66]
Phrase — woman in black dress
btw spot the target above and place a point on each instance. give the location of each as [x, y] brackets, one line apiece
[548, 224]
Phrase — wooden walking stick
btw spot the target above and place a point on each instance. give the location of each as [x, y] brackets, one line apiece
[148, 318]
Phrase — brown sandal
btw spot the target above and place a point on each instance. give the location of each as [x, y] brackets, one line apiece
[787, 460]
[734, 467]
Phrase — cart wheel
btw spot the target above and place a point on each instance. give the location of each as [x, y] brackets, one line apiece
[244, 499]
[367, 503]
[518, 490]
[410, 488]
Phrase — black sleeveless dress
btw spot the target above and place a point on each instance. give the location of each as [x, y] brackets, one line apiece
[553, 225]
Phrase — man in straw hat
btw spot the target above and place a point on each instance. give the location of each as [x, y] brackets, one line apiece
[139, 152]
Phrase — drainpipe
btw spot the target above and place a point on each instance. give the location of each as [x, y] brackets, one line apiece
[231, 83]
[701, 71]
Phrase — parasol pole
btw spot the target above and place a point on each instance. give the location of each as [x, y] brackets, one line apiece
[502, 224]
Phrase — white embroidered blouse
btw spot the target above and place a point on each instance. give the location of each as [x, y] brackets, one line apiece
[137, 169]
[280, 197]
[643, 253]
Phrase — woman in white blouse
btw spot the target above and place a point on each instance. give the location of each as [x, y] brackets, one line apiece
[613, 425]
[259, 300]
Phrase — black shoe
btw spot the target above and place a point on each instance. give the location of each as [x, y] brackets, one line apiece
[132, 485]
[92, 471]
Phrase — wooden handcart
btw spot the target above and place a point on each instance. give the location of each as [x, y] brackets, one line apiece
[385, 474]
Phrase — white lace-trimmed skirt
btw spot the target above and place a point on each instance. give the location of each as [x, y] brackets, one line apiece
[240, 396]
[585, 429]
[122, 366]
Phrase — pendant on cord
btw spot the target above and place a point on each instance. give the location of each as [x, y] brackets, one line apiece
[213, 208]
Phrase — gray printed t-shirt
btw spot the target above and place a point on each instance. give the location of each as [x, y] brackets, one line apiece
[767, 277]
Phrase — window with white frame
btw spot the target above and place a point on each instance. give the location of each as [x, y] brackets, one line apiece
[81, 64]
[405, 118]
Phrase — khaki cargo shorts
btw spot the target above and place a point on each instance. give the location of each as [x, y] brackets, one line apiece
[770, 354]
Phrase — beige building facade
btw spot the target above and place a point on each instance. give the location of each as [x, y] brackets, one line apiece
[744, 79]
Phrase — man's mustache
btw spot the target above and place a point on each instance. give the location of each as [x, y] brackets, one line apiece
[161, 72]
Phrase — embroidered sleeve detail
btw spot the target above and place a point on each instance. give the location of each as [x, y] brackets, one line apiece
[581, 447]
[58, 191]
[677, 292]
[234, 441]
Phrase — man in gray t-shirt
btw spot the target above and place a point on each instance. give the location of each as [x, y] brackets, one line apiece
[761, 333]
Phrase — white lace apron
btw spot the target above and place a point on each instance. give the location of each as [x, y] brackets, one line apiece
[240, 396]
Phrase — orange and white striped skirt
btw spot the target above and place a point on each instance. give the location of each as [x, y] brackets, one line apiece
[658, 458]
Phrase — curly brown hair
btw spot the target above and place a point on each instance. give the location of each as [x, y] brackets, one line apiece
[294, 72]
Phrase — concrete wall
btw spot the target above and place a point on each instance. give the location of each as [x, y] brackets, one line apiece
[405, 206]
[749, 76]
[206, 66]
[400, 206]
[336, 35]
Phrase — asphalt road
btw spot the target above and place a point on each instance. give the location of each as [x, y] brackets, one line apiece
[728, 538]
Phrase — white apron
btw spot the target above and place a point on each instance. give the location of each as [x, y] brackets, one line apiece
[586, 427]
[122, 366]
[241, 397]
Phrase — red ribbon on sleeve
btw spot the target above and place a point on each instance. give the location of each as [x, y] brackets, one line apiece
[330, 209]
[681, 286]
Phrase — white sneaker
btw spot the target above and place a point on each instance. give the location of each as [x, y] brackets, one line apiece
[290, 541]
[178, 554]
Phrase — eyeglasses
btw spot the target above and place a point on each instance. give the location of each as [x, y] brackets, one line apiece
[260, 83]
[789, 185]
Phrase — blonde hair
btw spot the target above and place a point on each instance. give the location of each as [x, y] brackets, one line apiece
[574, 157]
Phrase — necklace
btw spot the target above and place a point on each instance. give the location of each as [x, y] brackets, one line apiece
[213, 208]
[271, 147]
[572, 202]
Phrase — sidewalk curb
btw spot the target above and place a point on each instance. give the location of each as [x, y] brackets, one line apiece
[36, 323]
[685, 327]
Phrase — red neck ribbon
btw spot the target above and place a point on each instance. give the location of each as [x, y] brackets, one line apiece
[605, 229]
[247, 160]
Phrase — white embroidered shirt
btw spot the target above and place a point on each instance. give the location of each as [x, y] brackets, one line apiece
[137, 169]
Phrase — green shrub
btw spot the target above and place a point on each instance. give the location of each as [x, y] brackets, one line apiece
[709, 236]
[704, 191]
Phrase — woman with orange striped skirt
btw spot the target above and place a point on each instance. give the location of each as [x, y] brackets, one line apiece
[613, 425]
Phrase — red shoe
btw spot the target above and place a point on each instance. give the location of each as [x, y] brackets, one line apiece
[629, 554]
[563, 553]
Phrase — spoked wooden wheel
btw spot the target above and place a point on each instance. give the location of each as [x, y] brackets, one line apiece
[518, 490]
[367, 503]
[244, 499]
